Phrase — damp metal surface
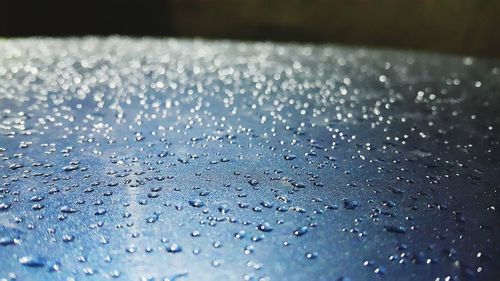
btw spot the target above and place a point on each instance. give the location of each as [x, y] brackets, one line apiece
[144, 159]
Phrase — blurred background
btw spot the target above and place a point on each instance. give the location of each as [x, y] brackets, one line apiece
[466, 27]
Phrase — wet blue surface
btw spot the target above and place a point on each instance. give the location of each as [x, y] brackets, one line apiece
[191, 160]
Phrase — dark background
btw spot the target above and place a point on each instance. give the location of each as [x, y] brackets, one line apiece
[452, 26]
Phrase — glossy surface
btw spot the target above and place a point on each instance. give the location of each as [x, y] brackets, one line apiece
[191, 160]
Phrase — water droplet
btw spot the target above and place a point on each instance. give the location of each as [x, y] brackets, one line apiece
[67, 209]
[395, 229]
[350, 204]
[265, 227]
[32, 261]
[196, 203]
[253, 182]
[4, 206]
[7, 240]
[300, 231]
[311, 255]
[173, 248]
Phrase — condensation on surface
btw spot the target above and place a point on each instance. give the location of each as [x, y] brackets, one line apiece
[142, 159]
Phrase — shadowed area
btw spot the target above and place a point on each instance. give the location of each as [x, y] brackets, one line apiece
[451, 26]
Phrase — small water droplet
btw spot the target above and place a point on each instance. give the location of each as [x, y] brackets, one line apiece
[32, 261]
[173, 248]
[196, 203]
[265, 227]
[300, 231]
